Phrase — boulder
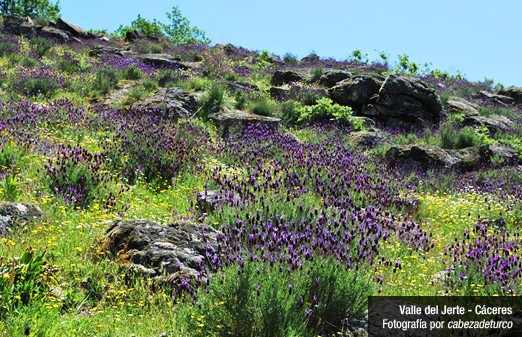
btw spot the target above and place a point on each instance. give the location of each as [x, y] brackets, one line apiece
[354, 91]
[120, 93]
[494, 123]
[460, 105]
[408, 100]
[173, 101]
[367, 139]
[16, 214]
[499, 150]
[496, 98]
[100, 50]
[333, 76]
[166, 60]
[73, 29]
[279, 93]
[281, 77]
[169, 249]
[425, 155]
[133, 35]
[19, 25]
[241, 86]
[515, 93]
[55, 34]
[237, 119]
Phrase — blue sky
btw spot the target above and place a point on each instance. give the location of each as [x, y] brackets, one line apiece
[479, 38]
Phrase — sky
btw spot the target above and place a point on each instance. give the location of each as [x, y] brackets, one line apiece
[480, 39]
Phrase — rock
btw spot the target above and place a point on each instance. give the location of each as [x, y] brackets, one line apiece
[354, 91]
[231, 117]
[425, 155]
[100, 50]
[499, 150]
[133, 35]
[165, 249]
[408, 100]
[367, 139]
[279, 93]
[55, 34]
[174, 101]
[460, 105]
[281, 77]
[166, 60]
[73, 29]
[241, 86]
[19, 25]
[16, 214]
[494, 123]
[515, 93]
[495, 98]
[208, 200]
[333, 76]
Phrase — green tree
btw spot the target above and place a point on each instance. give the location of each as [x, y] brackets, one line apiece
[33, 8]
[180, 32]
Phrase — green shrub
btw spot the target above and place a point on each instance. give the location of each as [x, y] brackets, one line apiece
[264, 107]
[10, 186]
[317, 72]
[149, 84]
[212, 101]
[136, 94]
[29, 62]
[448, 136]
[257, 299]
[105, 79]
[166, 77]
[308, 97]
[40, 86]
[468, 137]
[290, 111]
[132, 73]
[41, 45]
[290, 59]
[326, 109]
[156, 49]
[241, 99]
[7, 48]
[231, 77]
[23, 279]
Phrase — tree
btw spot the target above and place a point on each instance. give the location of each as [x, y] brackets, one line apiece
[178, 31]
[33, 8]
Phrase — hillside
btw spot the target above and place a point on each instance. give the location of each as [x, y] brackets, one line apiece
[154, 189]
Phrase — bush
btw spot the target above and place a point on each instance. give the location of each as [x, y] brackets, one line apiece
[241, 99]
[149, 84]
[136, 94]
[41, 45]
[105, 79]
[166, 77]
[448, 136]
[23, 279]
[29, 62]
[8, 48]
[257, 299]
[290, 111]
[290, 59]
[40, 86]
[326, 109]
[317, 72]
[132, 73]
[212, 101]
[156, 49]
[264, 107]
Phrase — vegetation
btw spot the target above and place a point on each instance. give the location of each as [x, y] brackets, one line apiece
[34, 8]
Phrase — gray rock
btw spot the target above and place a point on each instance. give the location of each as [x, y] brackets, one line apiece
[279, 93]
[179, 246]
[19, 25]
[230, 117]
[426, 155]
[166, 60]
[408, 100]
[133, 35]
[242, 86]
[460, 105]
[494, 123]
[333, 76]
[367, 139]
[354, 91]
[281, 77]
[55, 34]
[17, 214]
[499, 150]
[515, 93]
[495, 98]
[73, 29]
[174, 101]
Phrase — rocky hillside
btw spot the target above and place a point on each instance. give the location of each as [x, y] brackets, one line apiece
[154, 189]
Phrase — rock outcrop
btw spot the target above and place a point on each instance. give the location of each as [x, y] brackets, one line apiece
[460, 105]
[331, 77]
[177, 247]
[173, 101]
[16, 214]
[354, 91]
[281, 77]
[406, 100]
[515, 93]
